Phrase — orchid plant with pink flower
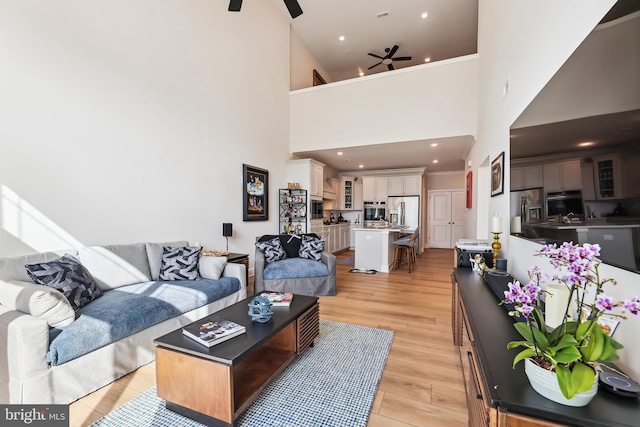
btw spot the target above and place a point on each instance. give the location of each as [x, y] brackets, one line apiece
[574, 348]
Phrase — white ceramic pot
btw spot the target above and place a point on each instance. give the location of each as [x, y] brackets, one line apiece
[546, 383]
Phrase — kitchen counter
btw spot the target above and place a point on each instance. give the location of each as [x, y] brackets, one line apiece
[374, 248]
[619, 239]
[382, 228]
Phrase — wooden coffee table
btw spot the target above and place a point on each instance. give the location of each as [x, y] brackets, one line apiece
[215, 385]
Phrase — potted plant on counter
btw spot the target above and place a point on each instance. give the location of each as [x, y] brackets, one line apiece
[562, 364]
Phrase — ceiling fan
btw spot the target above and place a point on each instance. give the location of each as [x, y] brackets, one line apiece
[294, 7]
[388, 58]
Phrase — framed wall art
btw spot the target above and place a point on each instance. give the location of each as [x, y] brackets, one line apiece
[255, 191]
[497, 175]
[469, 190]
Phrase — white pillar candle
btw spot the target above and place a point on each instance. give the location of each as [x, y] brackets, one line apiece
[556, 302]
[516, 224]
[496, 224]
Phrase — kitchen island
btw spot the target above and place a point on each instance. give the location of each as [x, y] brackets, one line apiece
[619, 239]
[374, 248]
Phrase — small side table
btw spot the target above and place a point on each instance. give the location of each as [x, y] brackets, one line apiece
[240, 259]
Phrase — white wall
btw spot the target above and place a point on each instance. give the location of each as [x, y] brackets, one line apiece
[303, 64]
[600, 77]
[527, 42]
[435, 100]
[130, 121]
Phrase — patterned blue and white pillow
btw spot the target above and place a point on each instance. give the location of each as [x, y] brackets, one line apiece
[180, 263]
[67, 275]
[272, 250]
[311, 248]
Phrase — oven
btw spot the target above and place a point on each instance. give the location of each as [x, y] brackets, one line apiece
[375, 211]
[563, 203]
[317, 209]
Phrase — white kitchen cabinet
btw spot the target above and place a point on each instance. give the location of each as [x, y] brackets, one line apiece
[562, 176]
[345, 236]
[608, 180]
[631, 175]
[408, 185]
[375, 188]
[358, 199]
[525, 177]
[334, 239]
[307, 173]
[346, 201]
[317, 179]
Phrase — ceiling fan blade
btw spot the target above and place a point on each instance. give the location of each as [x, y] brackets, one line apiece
[235, 5]
[375, 56]
[375, 65]
[390, 66]
[402, 58]
[394, 49]
[294, 8]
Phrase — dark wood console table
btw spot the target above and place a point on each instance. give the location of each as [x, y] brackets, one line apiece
[499, 396]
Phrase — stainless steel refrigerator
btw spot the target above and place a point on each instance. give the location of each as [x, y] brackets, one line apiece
[404, 210]
[528, 204]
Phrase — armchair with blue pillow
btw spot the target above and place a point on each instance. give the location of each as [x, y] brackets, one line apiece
[294, 263]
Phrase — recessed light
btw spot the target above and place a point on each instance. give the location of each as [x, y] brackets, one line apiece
[424, 15]
[361, 74]
[348, 160]
[340, 153]
[360, 166]
[427, 59]
[586, 144]
[435, 144]
[435, 161]
[341, 38]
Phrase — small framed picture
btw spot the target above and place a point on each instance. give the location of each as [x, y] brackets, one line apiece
[497, 175]
[255, 191]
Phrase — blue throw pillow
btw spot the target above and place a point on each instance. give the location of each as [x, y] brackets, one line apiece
[311, 248]
[69, 277]
[180, 263]
[272, 250]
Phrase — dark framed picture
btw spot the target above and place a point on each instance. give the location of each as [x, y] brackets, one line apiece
[255, 191]
[497, 175]
[469, 190]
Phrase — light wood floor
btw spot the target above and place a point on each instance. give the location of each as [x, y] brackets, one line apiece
[422, 381]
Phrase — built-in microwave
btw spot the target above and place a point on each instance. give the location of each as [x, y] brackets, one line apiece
[375, 211]
[565, 203]
[317, 209]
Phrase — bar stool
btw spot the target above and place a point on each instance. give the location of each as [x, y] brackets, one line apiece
[406, 246]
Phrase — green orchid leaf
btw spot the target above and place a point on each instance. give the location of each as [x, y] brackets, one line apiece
[583, 330]
[582, 377]
[595, 345]
[564, 381]
[515, 344]
[537, 316]
[565, 341]
[569, 328]
[524, 330]
[524, 354]
[568, 355]
[609, 349]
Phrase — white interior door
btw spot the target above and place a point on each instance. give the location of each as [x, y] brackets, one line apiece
[458, 214]
[447, 211]
[440, 219]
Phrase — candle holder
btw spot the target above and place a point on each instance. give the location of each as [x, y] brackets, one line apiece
[496, 247]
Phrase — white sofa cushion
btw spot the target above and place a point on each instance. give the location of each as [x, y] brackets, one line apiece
[116, 265]
[37, 300]
[13, 268]
[212, 267]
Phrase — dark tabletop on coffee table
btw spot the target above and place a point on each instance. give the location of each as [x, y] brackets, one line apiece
[232, 351]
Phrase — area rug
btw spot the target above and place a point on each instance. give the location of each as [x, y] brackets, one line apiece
[332, 383]
[346, 261]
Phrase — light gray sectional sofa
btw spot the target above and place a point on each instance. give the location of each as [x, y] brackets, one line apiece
[50, 353]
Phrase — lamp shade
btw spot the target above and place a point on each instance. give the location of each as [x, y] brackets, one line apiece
[227, 229]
